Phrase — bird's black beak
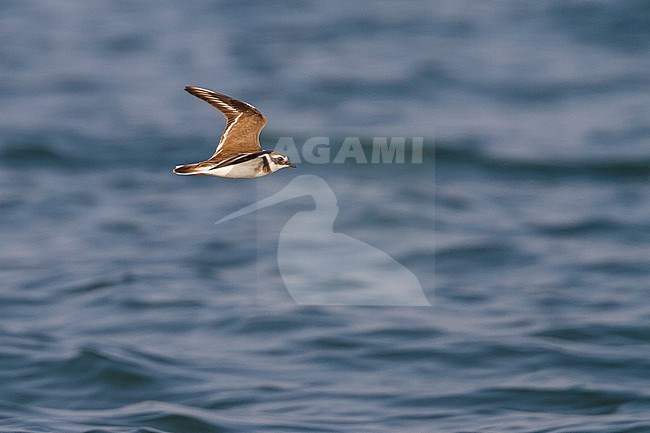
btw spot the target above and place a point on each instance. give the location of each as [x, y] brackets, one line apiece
[292, 165]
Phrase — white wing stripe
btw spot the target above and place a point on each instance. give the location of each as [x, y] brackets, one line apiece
[225, 133]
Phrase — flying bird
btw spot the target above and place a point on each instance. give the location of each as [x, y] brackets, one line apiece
[238, 154]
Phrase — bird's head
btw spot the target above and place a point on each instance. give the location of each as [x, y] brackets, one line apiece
[278, 160]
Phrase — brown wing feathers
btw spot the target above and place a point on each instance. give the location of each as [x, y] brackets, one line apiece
[243, 126]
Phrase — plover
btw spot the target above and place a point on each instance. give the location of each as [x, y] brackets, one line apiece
[238, 154]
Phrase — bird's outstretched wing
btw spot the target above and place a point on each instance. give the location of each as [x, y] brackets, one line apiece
[243, 126]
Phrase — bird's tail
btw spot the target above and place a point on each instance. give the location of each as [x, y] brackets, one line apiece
[189, 169]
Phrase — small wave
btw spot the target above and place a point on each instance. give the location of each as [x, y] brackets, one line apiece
[146, 416]
[598, 334]
[450, 153]
[582, 227]
[488, 253]
[96, 366]
[533, 399]
[16, 152]
[100, 283]
[621, 25]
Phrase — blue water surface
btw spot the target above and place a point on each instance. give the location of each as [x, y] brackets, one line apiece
[124, 308]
